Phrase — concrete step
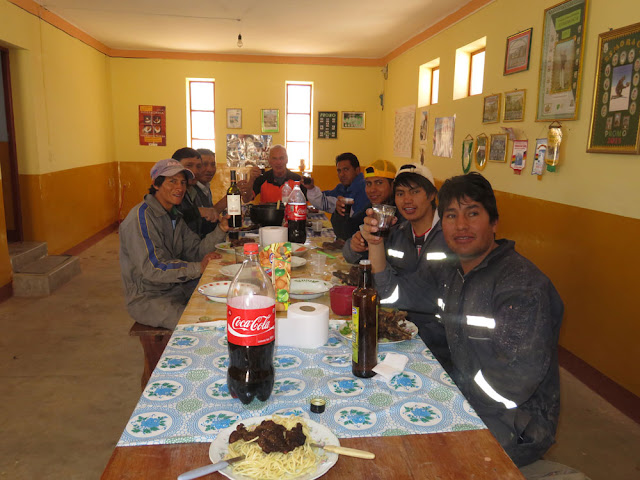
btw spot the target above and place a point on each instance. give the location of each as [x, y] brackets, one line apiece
[45, 275]
[24, 253]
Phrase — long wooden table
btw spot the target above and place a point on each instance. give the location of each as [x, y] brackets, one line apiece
[455, 455]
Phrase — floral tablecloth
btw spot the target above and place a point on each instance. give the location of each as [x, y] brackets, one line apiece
[187, 399]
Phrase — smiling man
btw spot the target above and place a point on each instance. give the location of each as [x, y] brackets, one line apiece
[161, 259]
[502, 317]
[269, 185]
[352, 185]
[407, 264]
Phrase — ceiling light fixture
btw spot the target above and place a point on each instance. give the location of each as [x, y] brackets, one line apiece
[240, 40]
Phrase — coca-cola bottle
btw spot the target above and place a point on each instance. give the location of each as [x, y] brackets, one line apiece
[251, 327]
[364, 316]
[297, 215]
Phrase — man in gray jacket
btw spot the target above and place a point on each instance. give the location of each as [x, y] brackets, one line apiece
[160, 257]
[502, 318]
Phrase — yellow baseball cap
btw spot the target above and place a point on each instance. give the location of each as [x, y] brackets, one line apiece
[380, 168]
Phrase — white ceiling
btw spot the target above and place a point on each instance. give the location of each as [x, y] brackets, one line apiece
[329, 28]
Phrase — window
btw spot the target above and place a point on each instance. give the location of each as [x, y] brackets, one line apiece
[298, 124]
[468, 77]
[435, 85]
[429, 83]
[476, 72]
[201, 132]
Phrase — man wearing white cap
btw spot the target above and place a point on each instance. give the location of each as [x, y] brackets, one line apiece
[161, 259]
[408, 263]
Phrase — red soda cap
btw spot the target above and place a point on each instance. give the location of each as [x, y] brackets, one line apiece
[250, 248]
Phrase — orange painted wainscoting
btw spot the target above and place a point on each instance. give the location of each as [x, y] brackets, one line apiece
[65, 208]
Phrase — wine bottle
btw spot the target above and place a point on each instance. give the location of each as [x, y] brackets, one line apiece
[364, 317]
[234, 203]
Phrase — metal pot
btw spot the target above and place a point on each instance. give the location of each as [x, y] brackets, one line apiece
[266, 214]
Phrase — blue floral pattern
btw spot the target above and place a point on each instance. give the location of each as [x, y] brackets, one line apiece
[162, 390]
[284, 362]
[421, 413]
[405, 382]
[188, 400]
[213, 422]
[346, 386]
[356, 418]
[174, 363]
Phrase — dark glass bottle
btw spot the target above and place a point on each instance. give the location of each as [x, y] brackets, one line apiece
[365, 323]
[234, 203]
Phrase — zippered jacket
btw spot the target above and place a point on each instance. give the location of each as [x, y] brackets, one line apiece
[159, 262]
[502, 321]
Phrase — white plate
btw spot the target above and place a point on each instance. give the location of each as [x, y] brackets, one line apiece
[230, 270]
[409, 326]
[225, 247]
[319, 433]
[298, 249]
[216, 291]
[298, 262]
[308, 288]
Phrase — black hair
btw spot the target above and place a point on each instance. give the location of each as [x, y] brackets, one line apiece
[412, 180]
[350, 157]
[185, 152]
[472, 185]
[205, 151]
[156, 183]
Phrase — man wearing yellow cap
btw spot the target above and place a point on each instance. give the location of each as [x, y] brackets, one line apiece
[378, 179]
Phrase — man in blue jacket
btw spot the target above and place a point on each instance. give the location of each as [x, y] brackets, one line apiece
[333, 201]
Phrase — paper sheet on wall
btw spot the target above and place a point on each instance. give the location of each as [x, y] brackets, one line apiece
[403, 136]
[443, 136]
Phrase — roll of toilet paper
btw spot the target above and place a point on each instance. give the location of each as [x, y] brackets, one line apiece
[269, 235]
[306, 326]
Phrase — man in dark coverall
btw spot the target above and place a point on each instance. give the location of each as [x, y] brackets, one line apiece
[502, 317]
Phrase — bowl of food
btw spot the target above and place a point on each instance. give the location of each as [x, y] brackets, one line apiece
[341, 296]
[267, 214]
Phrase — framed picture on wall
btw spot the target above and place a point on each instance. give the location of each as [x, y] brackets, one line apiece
[561, 61]
[353, 120]
[514, 106]
[270, 120]
[498, 147]
[234, 118]
[615, 115]
[481, 151]
[491, 109]
[516, 57]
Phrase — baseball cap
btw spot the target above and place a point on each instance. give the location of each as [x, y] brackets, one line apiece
[380, 168]
[168, 168]
[419, 169]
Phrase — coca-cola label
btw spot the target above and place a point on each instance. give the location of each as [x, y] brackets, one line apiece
[297, 211]
[251, 327]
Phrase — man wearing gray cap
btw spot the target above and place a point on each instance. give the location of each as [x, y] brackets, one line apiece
[160, 257]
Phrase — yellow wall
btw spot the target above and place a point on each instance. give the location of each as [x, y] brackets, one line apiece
[577, 224]
[249, 86]
[63, 121]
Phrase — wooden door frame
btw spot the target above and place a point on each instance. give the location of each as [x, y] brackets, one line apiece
[13, 157]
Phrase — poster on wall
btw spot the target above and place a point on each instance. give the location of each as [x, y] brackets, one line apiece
[403, 133]
[615, 118]
[327, 124]
[152, 125]
[245, 150]
[443, 136]
[561, 61]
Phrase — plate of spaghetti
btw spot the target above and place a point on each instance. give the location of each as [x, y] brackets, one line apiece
[290, 456]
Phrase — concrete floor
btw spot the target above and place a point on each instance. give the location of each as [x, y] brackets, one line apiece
[70, 377]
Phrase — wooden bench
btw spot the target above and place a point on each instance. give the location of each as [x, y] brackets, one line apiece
[153, 340]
